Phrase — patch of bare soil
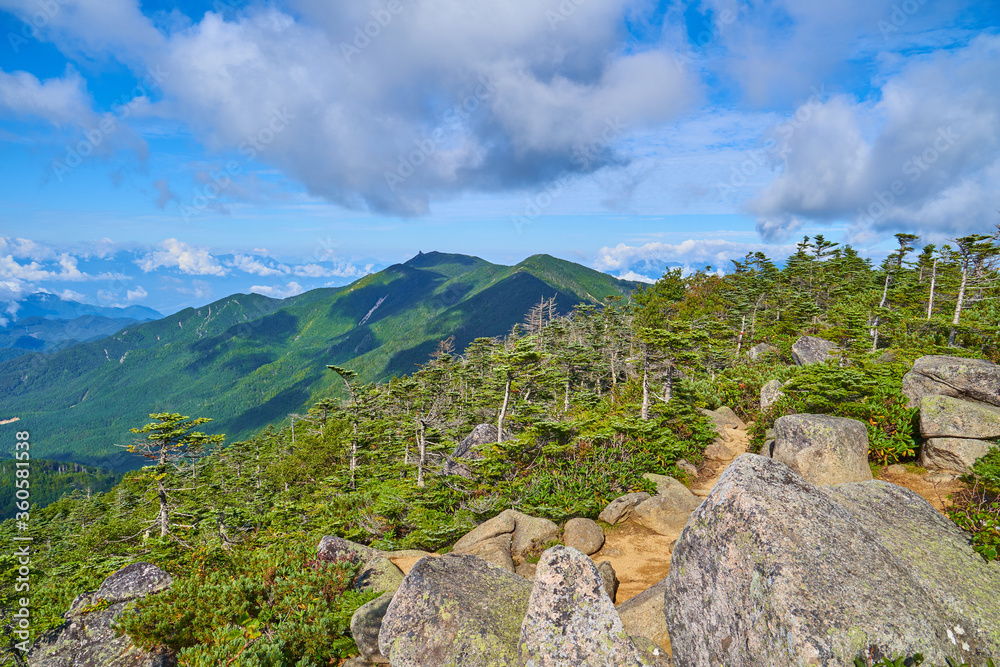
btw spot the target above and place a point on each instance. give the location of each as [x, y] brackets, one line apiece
[640, 557]
[934, 488]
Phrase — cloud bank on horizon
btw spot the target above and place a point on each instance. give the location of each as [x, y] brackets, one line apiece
[865, 117]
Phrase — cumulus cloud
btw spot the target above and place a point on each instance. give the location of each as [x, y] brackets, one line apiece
[924, 156]
[60, 101]
[627, 259]
[70, 295]
[637, 277]
[184, 257]
[442, 97]
[278, 291]
[137, 294]
[249, 264]
[68, 269]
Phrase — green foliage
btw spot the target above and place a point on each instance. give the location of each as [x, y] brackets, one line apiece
[987, 470]
[50, 480]
[279, 605]
[916, 659]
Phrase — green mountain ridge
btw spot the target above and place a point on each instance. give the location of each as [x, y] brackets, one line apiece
[248, 360]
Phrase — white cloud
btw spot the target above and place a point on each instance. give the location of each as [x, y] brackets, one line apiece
[277, 291]
[184, 257]
[653, 256]
[637, 277]
[249, 264]
[138, 294]
[36, 272]
[923, 157]
[70, 295]
[61, 101]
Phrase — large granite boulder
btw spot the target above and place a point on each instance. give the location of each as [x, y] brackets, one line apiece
[947, 417]
[761, 349]
[366, 624]
[570, 619]
[468, 450]
[772, 570]
[455, 610]
[531, 534]
[88, 638]
[525, 535]
[584, 535]
[643, 615]
[823, 449]
[955, 455]
[770, 394]
[621, 507]
[811, 350]
[377, 573]
[667, 511]
[970, 379]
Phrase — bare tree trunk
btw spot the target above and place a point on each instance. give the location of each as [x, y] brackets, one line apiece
[645, 383]
[930, 301]
[958, 308]
[566, 397]
[668, 386]
[503, 410]
[885, 293]
[422, 450]
[354, 453]
[739, 339]
[164, 518]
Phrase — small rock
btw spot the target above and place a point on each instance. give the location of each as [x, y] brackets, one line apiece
[498, 525]
[770, 394]
[531, 534]
[468, 450]
[896, 469]
[643, 615]
[620, 508]
[495, 550]
[823, 449]
[723, 449]
[688, 468]
[666, 515]
[337, 547]
[759, 350]
[610, 579]
[811, 350]
[953, 455]
[570, 619]
[584, 535]
[455, 610]
[365, 626]
[527, 570]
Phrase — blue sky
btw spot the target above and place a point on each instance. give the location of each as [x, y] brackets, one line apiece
[172, 153]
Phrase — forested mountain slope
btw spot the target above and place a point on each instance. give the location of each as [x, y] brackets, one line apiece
[250, 361]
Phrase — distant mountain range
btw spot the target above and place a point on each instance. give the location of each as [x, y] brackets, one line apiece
[249, 360]
[43, 322]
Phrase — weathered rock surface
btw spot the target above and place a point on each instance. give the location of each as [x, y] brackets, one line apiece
[643, 615]
[610, 579]
[811, 350]
[688, 467]
[760, 349]
[947, 417]
[495, 550]
[823, 449]
[621, 507]
[770, 393]
[772, 570]
[88, 638]
[455, 610]
[666, 514]
[724, 419]
[953, 454]
[570, 619]
[531, 534]
[468, 450]
[971, 379]
[584, 535]
[501, 524]
[366, 623]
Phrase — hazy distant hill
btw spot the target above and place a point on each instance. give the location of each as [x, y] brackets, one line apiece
[248, 360]
[43, 322]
